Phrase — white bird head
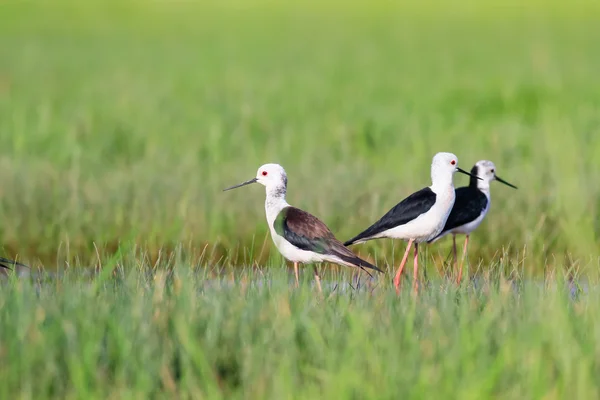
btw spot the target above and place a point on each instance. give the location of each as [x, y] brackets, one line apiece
[443, 167]
[486, 170]
[272, 176]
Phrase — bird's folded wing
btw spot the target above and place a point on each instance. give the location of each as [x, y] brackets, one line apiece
[304, 230]
[408, 209]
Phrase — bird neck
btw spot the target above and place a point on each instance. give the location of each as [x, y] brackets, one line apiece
[473, 181]
[275, 202]
[484, 186]
[441, 181]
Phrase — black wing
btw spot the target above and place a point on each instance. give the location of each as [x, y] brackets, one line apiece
[468, 205]
[408, 209]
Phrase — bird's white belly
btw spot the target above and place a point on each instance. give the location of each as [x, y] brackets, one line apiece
[294, 254]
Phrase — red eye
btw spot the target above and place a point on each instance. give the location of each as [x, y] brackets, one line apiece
[264, 173]
[453, 162]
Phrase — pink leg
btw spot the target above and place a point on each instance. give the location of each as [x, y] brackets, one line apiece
[317, 278]
[401, 267]
[454, 261]
[416, 267]
[296, 273]
[463, 259]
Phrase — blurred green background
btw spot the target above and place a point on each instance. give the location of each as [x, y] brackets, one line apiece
[123, 121]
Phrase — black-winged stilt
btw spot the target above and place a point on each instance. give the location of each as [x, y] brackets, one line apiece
[471, 205]
[5, 265]
[299, 236]
[419, 217]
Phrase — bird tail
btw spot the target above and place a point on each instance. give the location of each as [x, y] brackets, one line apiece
[359, 262]
[355, 240]
[5, 262]
[362, 237]
[435, 239]
[438, 237]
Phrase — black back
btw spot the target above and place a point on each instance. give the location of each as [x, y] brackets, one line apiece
[408, 209]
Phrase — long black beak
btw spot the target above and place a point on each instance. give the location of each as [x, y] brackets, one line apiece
[506, 183]
[467, 173]
[241, 184]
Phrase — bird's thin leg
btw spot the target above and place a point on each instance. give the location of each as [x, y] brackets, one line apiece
[463, 259]
[317, 278]
[296, 273]
[401, 267]
[416, 267]
[454, 258]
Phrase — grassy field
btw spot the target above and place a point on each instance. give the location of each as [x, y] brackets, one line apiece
[121, 123]
[180, 335]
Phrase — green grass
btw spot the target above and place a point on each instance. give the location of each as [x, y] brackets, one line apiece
[175, 333]
[121, 123]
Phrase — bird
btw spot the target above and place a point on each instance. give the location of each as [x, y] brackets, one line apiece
[471, 205]
[298, 235]
[5, 264]
[420, 216]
